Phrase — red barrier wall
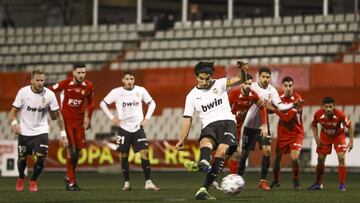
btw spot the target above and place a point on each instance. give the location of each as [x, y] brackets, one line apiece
[169, 86]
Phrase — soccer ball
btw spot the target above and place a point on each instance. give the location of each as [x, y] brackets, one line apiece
[232, 184]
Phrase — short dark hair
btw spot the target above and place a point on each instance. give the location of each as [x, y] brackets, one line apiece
[287, 79]
[78, 65]
[248, 76]
[37, 72]
[128, 72]
[204, 67]
[264, 70]
[328, 100]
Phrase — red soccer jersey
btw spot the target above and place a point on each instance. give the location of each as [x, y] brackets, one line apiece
[333, 126]
[290, 123]
[73, 98]
[241, 103]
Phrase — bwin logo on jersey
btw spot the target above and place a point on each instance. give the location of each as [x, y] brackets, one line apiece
[211, 105]
[33, 109]
[125, 104]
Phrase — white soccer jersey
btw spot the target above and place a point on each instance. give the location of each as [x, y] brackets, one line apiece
[129, 105]
[212, 104]
[33, 110]
[269, 94]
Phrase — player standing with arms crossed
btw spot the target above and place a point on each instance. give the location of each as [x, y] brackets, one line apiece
[130, 120]
[76, 92]
[209, 98]
[290, 133]
[33, 102]
[333, 123]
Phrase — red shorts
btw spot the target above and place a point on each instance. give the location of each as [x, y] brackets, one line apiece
[285, 144]
[327, 142]
[75, 135]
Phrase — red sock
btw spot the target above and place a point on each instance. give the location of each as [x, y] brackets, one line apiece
[342, 174]
[233, 166]
[296, 171]
[319, 172]
[70, 171]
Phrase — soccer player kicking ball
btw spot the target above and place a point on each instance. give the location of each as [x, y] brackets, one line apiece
[33, 102]
[333, 122]
[209, 98]
[130, 120]
[241, 100]
[290, 132]
[76, 92]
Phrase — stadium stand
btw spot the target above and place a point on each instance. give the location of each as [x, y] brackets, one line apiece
[287, 40]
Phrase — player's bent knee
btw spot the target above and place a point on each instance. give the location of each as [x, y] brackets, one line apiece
[144, 154]
[223, 150]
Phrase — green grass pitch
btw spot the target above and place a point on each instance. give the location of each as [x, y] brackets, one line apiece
[176, 187]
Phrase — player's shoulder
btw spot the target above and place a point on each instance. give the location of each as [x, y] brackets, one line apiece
[48, 92]
[25, 88]
[88, 83]
[272, 88]
[319, 113]
[234, 91]
[339, 113]
[253, 93]
[193, 92]
[297, 96]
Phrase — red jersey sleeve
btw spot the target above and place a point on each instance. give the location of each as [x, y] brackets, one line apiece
[286, 116]
[232, 95]
[58, 87]
[316, 119]
[344, 119]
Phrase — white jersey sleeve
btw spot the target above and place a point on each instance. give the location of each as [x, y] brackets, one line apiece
[222, 83]
[53, 104]
[18, 102]
[189, 107]
[110, 97]
[276, 100]
[146, 96]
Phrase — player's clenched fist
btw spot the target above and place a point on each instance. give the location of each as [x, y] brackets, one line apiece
[241, 64]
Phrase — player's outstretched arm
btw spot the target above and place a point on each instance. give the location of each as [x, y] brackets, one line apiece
[239, 78]
[14, 123]
[60, 121]
[185, 128]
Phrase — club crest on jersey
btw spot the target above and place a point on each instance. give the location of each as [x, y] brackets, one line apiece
[216, 91]
[83, 92]
[43, 100]
[137, 94]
